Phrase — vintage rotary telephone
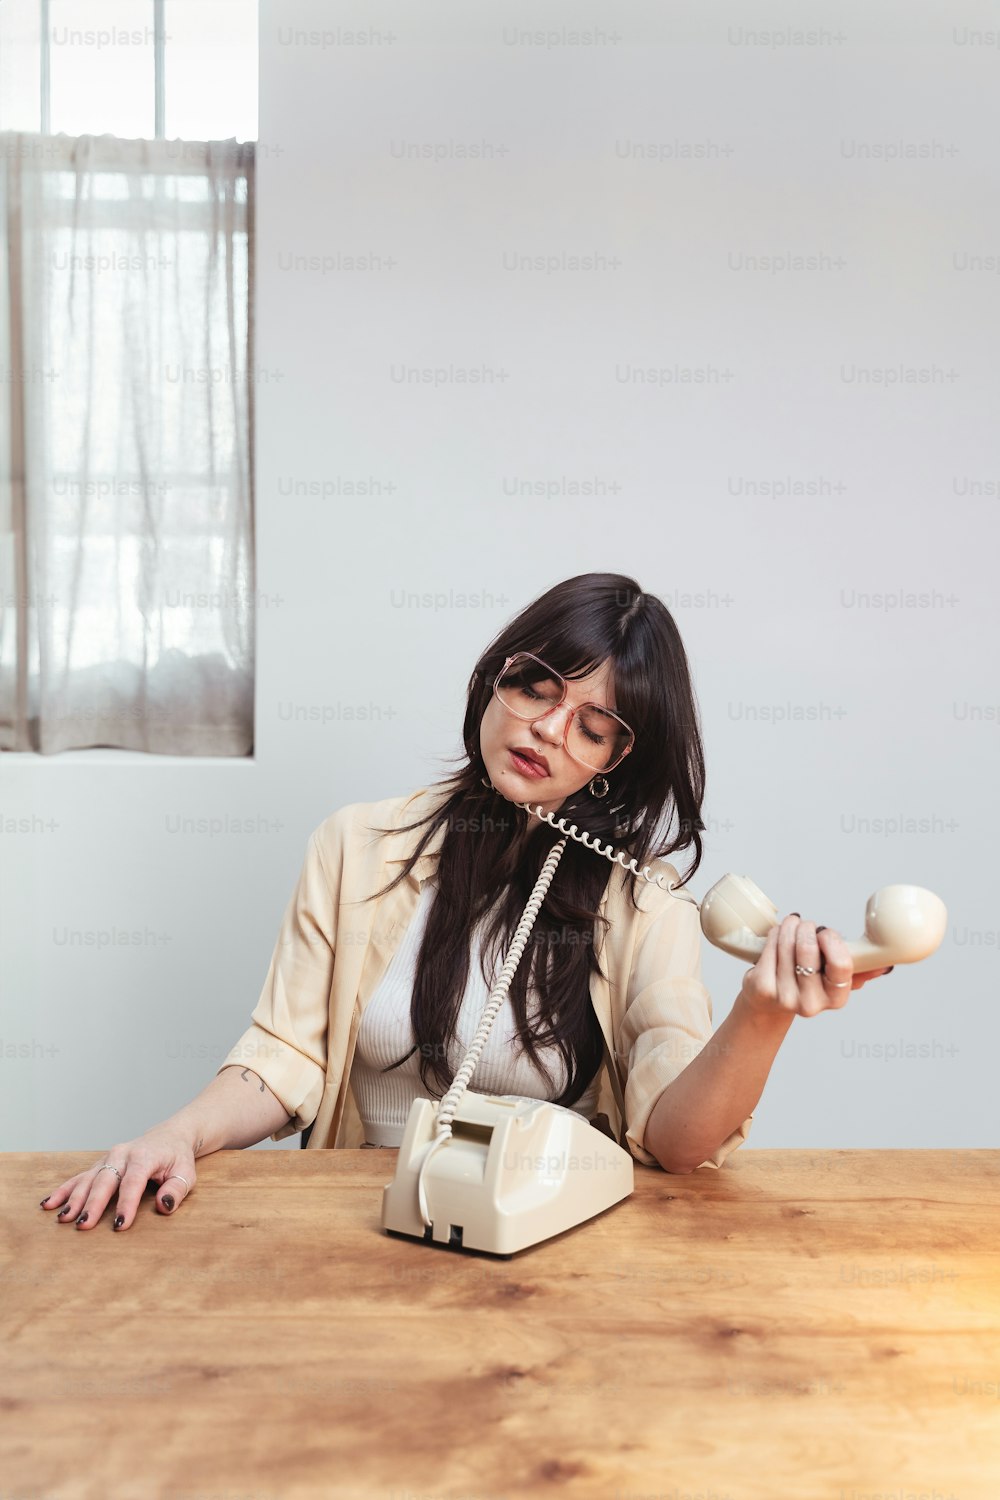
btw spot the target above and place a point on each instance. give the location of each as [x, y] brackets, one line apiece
[498, 1174]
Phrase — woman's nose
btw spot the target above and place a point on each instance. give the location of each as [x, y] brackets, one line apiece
[552, 726]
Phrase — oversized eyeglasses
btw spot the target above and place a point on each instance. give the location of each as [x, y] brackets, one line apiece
[594, 736]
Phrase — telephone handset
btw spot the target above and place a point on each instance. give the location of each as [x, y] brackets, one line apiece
[520, 1170]
[903, 923]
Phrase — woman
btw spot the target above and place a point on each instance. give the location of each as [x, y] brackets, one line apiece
[583, 705]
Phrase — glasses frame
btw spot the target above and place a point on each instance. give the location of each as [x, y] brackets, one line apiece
[531, 718]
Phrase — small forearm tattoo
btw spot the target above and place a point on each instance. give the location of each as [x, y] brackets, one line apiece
[243, 1075]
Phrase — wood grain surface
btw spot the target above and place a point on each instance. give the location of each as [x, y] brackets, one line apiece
[798, 1324]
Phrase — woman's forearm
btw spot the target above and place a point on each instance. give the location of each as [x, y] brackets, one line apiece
[234, 1110]
[717, 1090]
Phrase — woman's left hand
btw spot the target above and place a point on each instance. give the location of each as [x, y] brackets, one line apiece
[772, 986]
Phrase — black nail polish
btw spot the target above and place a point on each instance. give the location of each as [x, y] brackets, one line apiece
[83, 1218]
[795, 914]
[821, 928]
[63, 1210]
[119, 1221]
[44, 1201]
[890, 968]
[168, 1202]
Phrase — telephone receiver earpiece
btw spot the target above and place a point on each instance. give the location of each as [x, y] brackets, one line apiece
[903, 923]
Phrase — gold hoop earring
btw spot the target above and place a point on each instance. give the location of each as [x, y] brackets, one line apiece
[605, 787]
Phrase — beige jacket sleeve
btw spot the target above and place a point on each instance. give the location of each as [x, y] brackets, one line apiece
[667, 1022]
[286, 1044]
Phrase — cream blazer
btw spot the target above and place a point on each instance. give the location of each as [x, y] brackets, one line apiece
[333, 948]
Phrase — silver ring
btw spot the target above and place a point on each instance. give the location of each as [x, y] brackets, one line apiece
[107, 1167]
[800, 970]
[182, 1179]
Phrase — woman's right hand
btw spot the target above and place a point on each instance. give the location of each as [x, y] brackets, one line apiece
[158, 1156]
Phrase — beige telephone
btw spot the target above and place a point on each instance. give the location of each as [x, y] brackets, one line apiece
[517, 1170]
[903, 923]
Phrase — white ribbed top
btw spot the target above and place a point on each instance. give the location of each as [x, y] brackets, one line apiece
[384, 1099]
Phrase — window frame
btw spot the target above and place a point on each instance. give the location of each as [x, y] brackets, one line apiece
[45, 72]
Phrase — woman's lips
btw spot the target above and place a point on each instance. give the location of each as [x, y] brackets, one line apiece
[528, 767]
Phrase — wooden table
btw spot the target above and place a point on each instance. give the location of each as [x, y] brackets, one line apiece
[797, 1324]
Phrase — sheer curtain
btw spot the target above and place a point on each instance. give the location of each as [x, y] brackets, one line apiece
[127, 396]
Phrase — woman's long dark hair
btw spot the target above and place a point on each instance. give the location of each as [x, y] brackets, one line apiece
[492, 850]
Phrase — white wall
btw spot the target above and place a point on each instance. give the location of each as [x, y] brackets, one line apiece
[767, 149]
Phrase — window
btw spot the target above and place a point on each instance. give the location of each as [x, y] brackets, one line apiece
[126, 337]
[174, 69]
